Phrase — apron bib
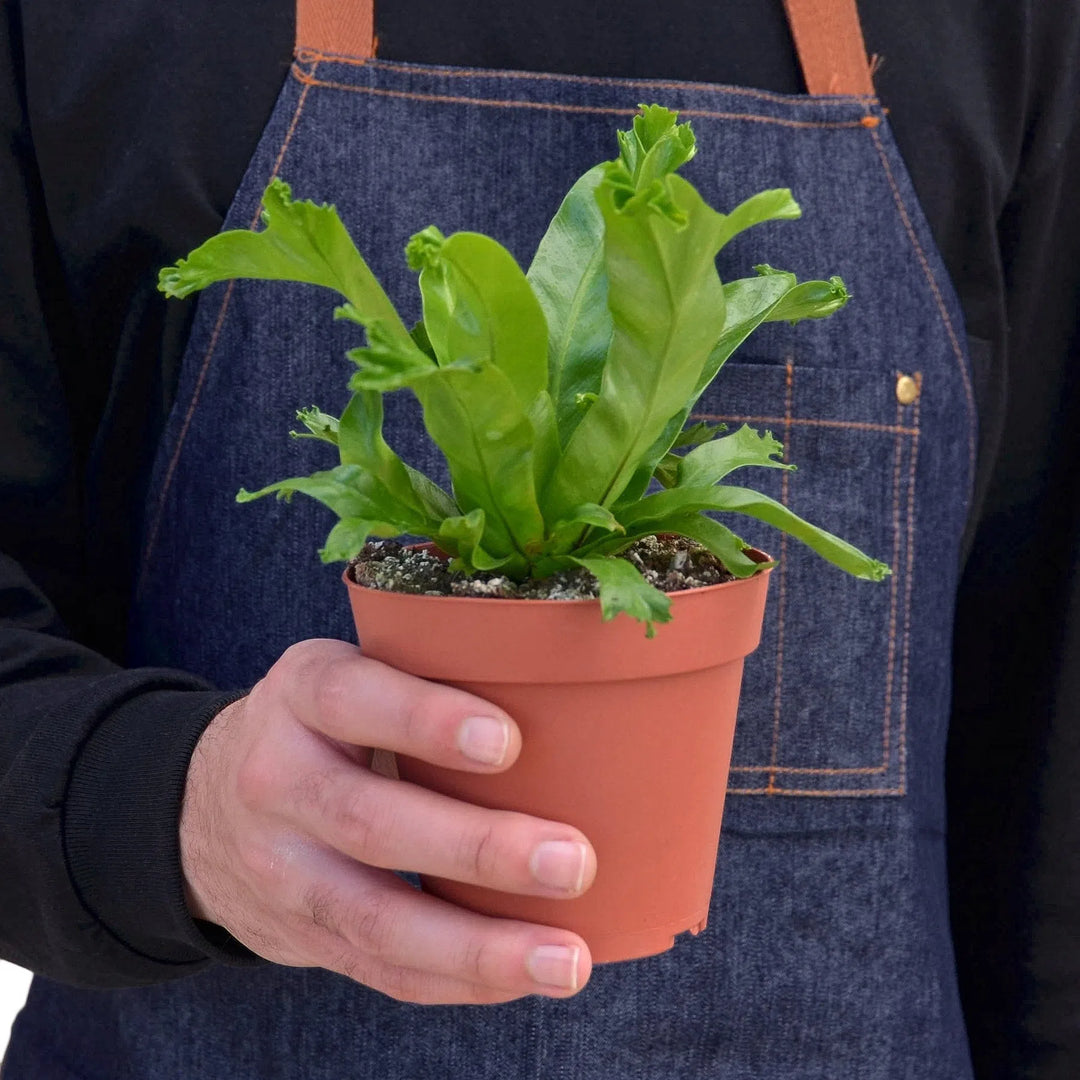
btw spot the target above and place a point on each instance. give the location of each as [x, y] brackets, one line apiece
[828, 953]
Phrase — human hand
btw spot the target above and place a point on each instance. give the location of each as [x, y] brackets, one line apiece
[288, 838]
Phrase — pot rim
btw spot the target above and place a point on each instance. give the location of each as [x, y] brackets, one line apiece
[483, 639]
[753, 553]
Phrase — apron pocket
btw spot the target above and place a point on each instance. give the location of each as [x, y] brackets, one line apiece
[824, 700]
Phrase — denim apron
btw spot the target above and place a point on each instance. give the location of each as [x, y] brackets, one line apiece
[828, 952]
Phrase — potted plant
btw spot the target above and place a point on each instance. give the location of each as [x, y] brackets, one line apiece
[561, 400]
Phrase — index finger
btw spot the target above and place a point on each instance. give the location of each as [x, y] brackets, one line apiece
[337, 691]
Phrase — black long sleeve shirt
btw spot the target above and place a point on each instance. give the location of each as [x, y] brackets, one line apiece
[126, 128]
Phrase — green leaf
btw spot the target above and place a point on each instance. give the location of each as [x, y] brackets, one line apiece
[652, 511]
[718, 539]
[477, 421]
[350, 492]
[668, 310]
[749, 302]
[420, 337]
[361, 442]
[623, 589]
[648, 154]
[424, 247]
[479, 308]
[667, 472]
[713, 536]
[772, 296]
[698, 433]
[319, 425]
[655, 131]
[773, 205]
[436, 503]
[808, 300]
[478, 418]
[839, 552]
[570, 282]
[462, 537]
[301, 242]
[710, 463]
[546, 439]
[388, 363]
[349, 535]
[565, 532]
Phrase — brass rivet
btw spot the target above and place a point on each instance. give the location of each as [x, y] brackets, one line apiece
[907, 389]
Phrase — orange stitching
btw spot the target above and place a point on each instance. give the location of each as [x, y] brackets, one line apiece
[837, 793]
[644, 84]
[547, 106]
[799, 770]
[853, 425]
[285, 145]
[781, 607]
[958, 352]
[307, 57]
[890, 669]
[590, 80]
[210, 349]
[904, 667]
[174, 460]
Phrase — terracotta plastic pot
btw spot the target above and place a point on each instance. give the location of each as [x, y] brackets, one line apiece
[626, 738]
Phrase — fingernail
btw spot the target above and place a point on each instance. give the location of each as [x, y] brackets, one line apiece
[555, 965]
[484, 739]
[559, 864]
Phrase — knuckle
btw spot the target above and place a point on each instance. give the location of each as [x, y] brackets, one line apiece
[412, 719]
[479, 855]
[298, 664]
[427, 716]
[372, 929]
[258, 777]
[350, 812]
[333, 692]
[355, 817]
[321, 908]
[278, 677]
[477, 963]
[310, 790]
[302, 657]
[255, 863]
[305, 668]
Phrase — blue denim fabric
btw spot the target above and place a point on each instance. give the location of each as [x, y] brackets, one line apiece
[827, 953]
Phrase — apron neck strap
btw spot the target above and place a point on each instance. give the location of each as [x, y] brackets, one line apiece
[827, 33]
[336, 27]
[829, 41]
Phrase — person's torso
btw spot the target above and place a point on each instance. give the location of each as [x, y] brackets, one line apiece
[828, 952]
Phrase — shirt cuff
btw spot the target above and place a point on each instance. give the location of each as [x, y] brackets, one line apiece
[121, 829]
